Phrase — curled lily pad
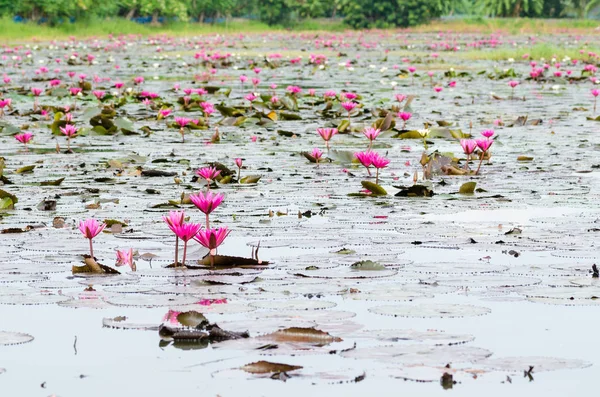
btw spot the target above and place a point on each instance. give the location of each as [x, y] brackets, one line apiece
[14, 338]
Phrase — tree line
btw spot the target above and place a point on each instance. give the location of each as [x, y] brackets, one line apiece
[356, 13]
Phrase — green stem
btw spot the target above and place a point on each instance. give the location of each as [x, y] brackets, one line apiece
[480, 161]
[176, 251]
[184, 252]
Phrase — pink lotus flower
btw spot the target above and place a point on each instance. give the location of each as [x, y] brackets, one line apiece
[208, 174]
[250, 97]
[452, 84]
[513, 83]
[238, 163]
[24, 138]
[54, 82]
[316, 154]
[257, 70]
[70, 131]
[186, 232]
[400, 97]
[438, 89]
[487, 133]
[75, 90]
[164, 113]
[293, 89]
[329, 94]
[207, 203]
[212, 239]
[125, 257]
[243, 79]
[182, 122]
[82, 76]
[119, 85]
[99, 94]
[468, 146]
[349, 106]
[378, 162]
[90, 228]
[484, 145]
[327, 133]
[274, 99]
[366, 159]
[71, 74]
[412, 69]
[595, 93]
[255, 82]
[405, 116]
[371, 134]
[138, 80]
[174, 219]
[311, 92]
[350, 96]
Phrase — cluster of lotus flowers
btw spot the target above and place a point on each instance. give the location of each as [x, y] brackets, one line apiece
[484, 144]
[184, 230]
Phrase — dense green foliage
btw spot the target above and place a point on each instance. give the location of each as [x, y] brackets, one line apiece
[356, 13]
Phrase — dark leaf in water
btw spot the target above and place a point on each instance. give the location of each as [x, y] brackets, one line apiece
[56, 182]
[415, 191]
[157, 173]
[266, 367]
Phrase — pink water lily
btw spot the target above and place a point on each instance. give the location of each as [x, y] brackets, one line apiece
[238, 163]
[366, 159]
[349, 106]
[186, 232]
[371, 134]
[212, 239]
[182, 122]
[378, 162]
[468, 146]
[99, 94]
[70, 131]
[316, 154]
[484, 145]
[207, 203]
[24, 138]
[512, 84]
[405, 116]
[293, 89]
[174, 219]
[400, 97]
[90, 228]
[487, 133]
[327, 134]
[125, 258]
[208, 174]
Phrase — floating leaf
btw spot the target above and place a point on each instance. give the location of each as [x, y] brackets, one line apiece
[343, 125]
[6, 203]
[375, 189]
[266, 367]
[524, 158]
[415, 191]
[5, 194]
[467, 188]
[367, 265]
[250, 179]
[56, 182]
[192, 319]
[25, 169]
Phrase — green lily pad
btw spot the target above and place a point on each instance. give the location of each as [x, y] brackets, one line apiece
[375, 189]
[467, 188]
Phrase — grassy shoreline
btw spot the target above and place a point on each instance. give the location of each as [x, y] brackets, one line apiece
[14, 32]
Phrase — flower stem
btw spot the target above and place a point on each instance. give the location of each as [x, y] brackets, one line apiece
[212, 260]
[176, 251]
[91, 249]
[480, 161]
[239, 173]
[207, 223]
[184, 252]
[377, 177]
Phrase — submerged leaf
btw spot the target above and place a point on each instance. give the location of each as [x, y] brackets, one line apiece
[375, 189]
